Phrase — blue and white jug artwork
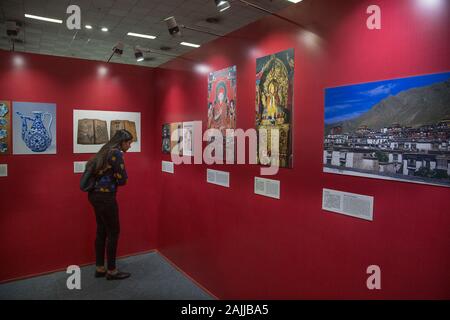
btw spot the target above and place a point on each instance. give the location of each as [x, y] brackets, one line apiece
[3, 134]
[3, 109]
[37, 138]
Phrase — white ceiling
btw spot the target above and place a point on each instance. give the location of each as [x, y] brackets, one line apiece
[121, 17]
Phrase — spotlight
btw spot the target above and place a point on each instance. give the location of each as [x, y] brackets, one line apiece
[175, 29]
[138, 54]
[222, 5]
[172, 25]
[117, 49]
[12, 29]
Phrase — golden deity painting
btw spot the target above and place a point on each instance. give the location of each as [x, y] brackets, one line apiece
[274, 107]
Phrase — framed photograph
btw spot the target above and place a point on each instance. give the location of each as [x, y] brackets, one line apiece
[395, 129]
[274, 106]
[93, 128]
[34, 128]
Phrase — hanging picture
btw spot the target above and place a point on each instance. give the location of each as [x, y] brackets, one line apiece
[166, 138]
[190, 131]
[34, 128]
[222, 99]
[393, 129]
[274, 106]
[93, 128]
[176, 134]
[5, 128]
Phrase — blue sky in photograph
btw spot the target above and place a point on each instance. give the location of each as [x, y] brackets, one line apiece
[348, 102]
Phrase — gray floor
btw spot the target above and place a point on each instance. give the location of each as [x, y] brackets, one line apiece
[152, 278]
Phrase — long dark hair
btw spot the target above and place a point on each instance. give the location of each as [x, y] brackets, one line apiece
[100, 160]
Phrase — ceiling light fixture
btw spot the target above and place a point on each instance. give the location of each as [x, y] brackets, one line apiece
[222, 5]
[138, 54]
[104, 29]
[139, 35]
[30, 16]
[117, 49]
[188, 44]
[88, 26]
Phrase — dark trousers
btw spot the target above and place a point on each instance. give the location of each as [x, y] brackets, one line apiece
[108, 227]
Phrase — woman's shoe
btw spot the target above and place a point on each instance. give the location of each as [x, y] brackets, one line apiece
[117, 276]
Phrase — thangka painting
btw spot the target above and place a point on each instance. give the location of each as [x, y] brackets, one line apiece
[393, 129]
[222, 99]
[274, 107]
[5, 128]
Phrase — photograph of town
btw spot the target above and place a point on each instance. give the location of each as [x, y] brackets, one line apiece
[395, 129]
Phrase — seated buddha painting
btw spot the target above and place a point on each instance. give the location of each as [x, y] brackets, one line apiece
[274, 107]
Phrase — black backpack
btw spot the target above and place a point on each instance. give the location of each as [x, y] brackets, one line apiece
[88, 179]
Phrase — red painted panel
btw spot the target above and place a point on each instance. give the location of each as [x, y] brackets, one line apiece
[239, 245]
[46, 222]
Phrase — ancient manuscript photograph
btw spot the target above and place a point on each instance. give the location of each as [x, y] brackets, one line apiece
[93, 128]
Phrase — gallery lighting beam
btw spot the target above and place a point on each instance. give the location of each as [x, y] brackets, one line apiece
[174, 28]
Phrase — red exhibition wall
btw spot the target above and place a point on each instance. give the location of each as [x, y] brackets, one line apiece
[240, 245]
[46, 222]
